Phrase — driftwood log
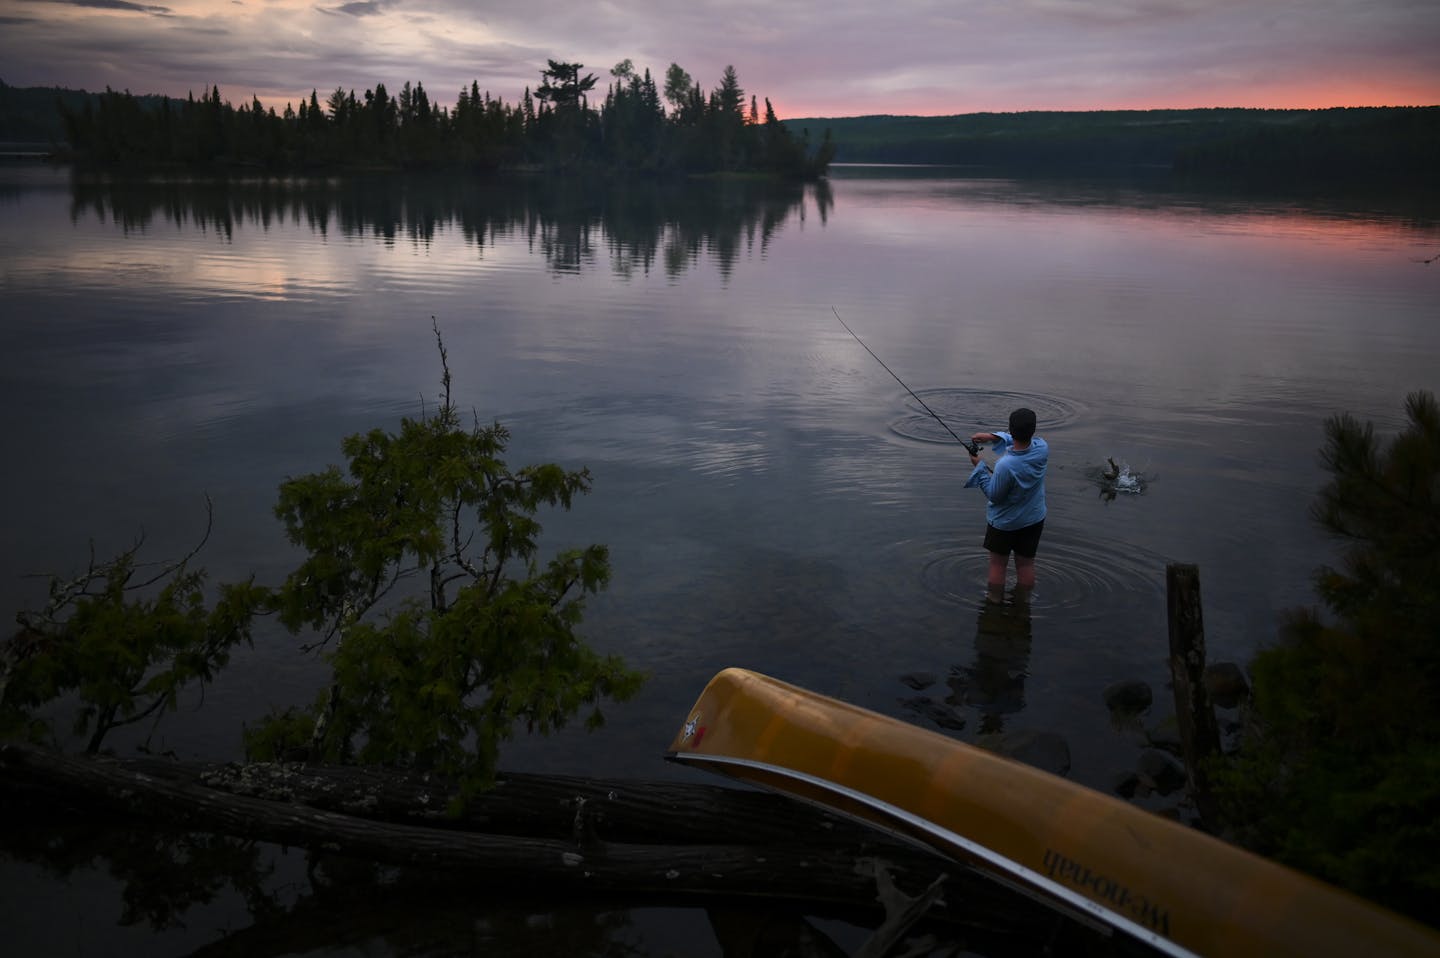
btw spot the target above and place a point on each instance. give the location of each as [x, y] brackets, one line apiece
[560, 835]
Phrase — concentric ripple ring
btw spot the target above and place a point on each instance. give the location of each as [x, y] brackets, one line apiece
[967, 411]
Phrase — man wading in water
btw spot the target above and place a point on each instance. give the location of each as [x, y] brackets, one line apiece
[1015, 515]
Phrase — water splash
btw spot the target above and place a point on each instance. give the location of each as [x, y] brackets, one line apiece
[1116, 479]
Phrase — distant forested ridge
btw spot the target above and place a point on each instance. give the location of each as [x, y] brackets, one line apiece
[674, 126]
[1398, 143]
[555, 127]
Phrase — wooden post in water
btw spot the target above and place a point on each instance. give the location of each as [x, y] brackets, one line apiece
[1199, 735]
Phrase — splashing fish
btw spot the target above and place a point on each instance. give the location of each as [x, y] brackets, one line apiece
[1118, 478]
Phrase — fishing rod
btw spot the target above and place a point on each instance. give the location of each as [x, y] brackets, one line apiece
[969, 445]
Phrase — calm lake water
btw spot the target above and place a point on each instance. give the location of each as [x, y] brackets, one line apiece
[771, 497]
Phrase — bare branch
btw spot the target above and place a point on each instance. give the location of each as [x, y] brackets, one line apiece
[63, 595]
[179, 564]
[444, 364]
[458, 549]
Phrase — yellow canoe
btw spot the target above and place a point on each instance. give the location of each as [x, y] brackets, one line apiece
[1179, 890]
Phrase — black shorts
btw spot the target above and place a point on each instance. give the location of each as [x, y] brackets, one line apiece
[1022, 542]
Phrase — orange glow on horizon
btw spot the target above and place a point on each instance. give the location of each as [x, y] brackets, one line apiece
[1300, 97]
[1378, 92]
[929, 110]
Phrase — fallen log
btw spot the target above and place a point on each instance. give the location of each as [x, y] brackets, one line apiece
[558, 806]
[531, 823]
[520, 804]
[803, 871]
[635, 839]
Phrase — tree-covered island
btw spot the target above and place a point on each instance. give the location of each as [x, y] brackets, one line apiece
[558, 127]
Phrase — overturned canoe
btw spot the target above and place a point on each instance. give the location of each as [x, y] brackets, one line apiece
[1177, 889]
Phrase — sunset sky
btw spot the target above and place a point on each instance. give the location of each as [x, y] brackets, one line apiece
[811, 58]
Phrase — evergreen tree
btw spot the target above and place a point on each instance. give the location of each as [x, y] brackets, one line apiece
[1339, 771]
[727, 117]
[317, 116]
[565, 133]
[563, 87]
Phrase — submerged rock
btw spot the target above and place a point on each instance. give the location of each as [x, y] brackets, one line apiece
[1161, 771]
[919, 680]
[1128, 697]
[942, 715]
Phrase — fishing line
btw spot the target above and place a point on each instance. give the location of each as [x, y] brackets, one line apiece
[970, 446]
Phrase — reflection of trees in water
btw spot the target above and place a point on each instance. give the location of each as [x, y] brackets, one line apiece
[167, 876]
[639, 223]
[164, 873]
[994, 683]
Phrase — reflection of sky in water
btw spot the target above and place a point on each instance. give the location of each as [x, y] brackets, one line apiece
[724, 412]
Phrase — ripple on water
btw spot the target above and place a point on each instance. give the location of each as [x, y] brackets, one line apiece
[978, 410]
[1073, 573]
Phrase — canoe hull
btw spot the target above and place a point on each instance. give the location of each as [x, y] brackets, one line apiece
[1176, 889]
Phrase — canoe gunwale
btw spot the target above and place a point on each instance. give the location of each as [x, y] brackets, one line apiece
[910, 826]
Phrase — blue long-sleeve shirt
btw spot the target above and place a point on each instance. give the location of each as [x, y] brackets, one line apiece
[1016, 488]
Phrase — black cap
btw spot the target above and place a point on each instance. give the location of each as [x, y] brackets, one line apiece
[1022, 424]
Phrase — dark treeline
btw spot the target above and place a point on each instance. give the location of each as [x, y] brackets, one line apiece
[1397, 144]
[1394, 143]
[676, 126]
[32, 115]
[555, 127]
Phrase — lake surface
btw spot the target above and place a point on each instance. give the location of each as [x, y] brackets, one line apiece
[771, 497]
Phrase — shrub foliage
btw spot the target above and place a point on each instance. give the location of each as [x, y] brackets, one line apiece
[437, 680]
[422, 584]
[120, 642]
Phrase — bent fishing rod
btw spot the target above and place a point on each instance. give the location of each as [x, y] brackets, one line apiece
[969, 445]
